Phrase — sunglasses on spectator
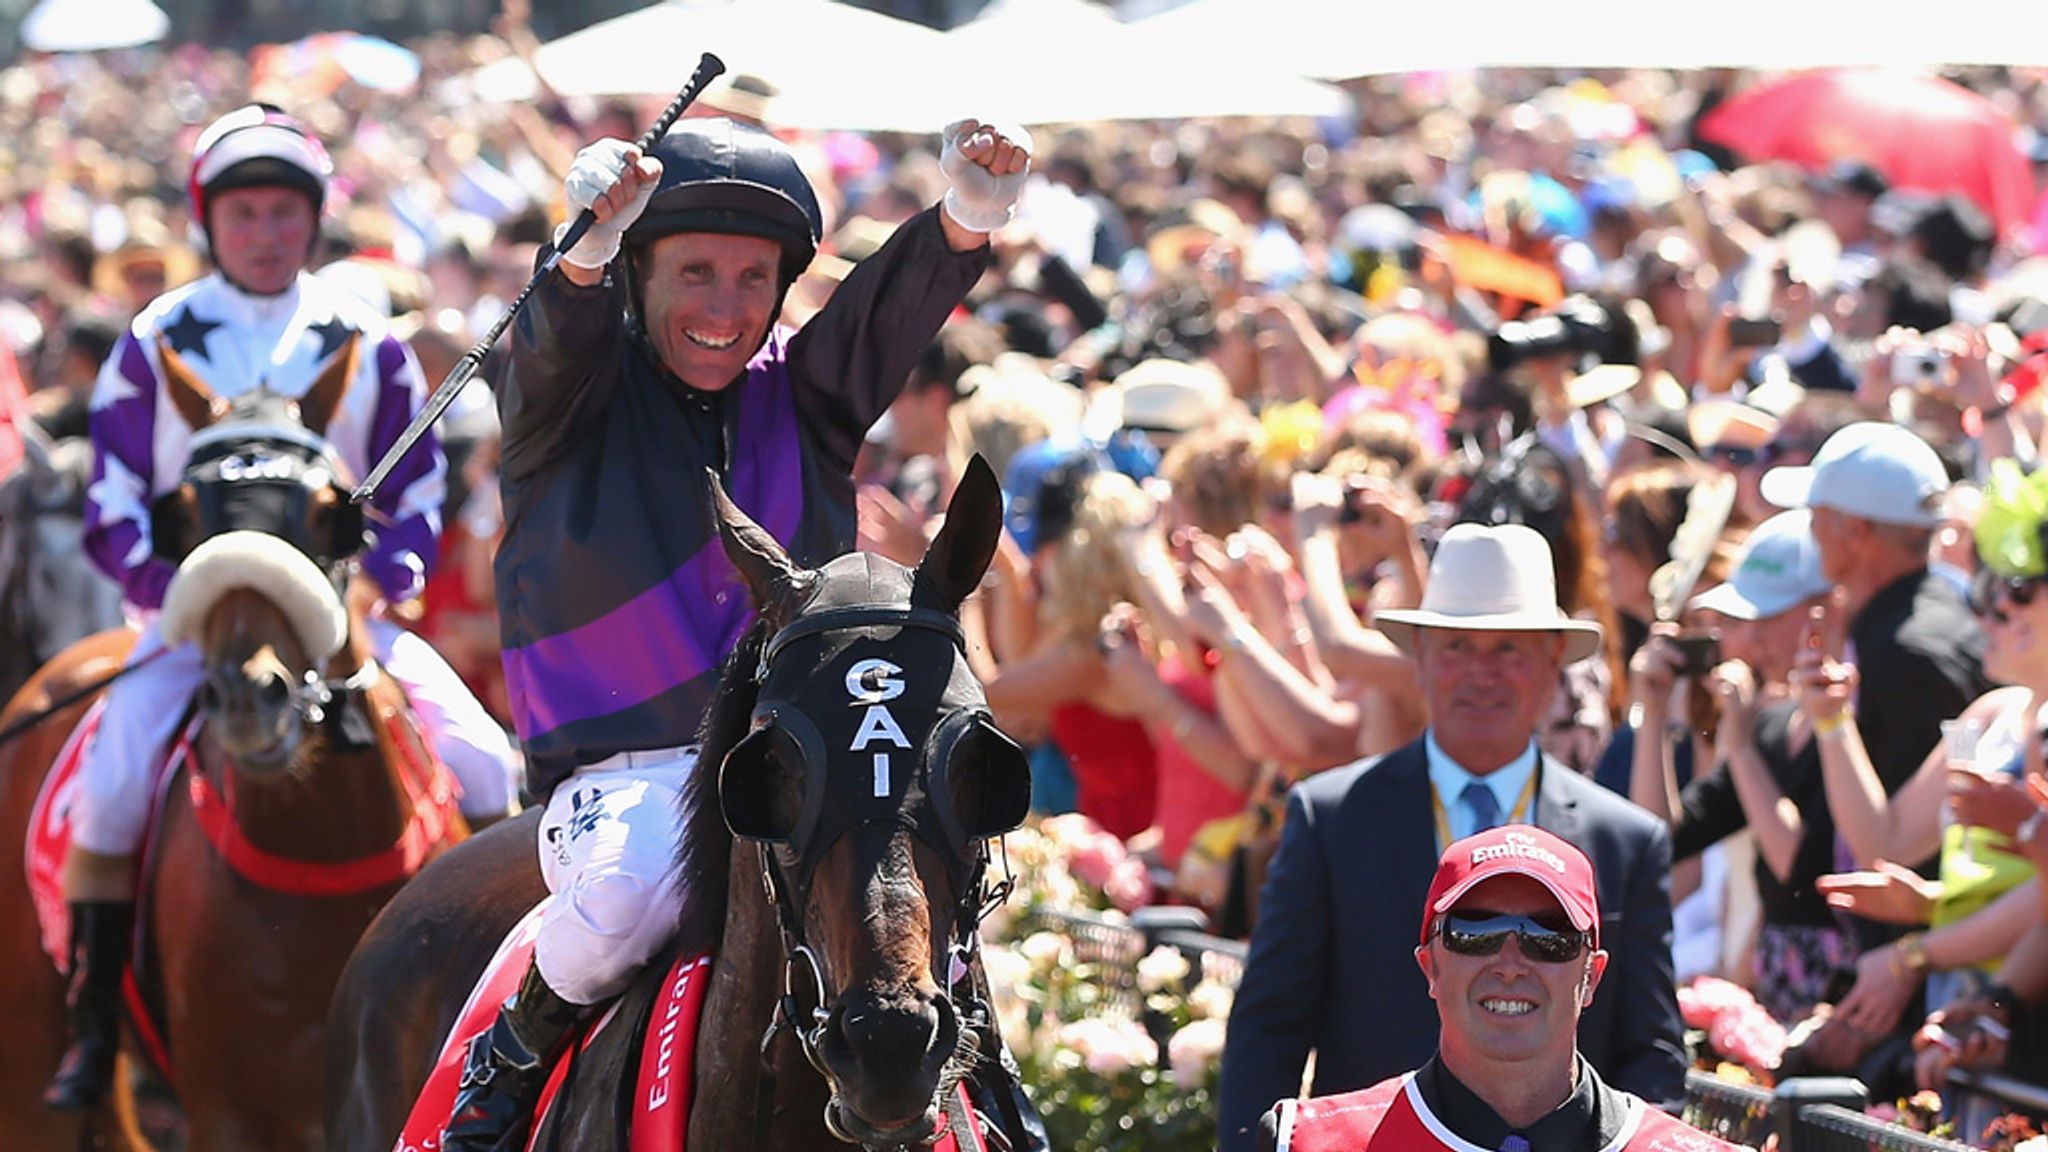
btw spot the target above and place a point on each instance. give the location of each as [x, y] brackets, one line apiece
[1775, 452]
[1989, 590]
[1733, 455]
[1482, 934]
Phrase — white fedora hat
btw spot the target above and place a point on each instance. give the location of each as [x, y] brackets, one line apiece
[1490, 580]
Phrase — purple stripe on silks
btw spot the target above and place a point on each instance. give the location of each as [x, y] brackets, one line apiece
[406, 551]
[124, 433]
[398, 399]
[682, 628]
[668, 635]
[767, 476]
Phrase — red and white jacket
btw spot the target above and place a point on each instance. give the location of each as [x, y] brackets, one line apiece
[1392, 1116]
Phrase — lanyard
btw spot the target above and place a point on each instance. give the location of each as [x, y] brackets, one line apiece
[1518, 815]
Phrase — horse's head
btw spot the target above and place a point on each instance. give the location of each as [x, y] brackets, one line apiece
[266, 620]
[874, 778]
[259, 527]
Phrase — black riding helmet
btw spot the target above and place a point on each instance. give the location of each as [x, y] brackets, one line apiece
[722, 177]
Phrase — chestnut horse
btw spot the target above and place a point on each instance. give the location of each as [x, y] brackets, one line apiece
[848, 760]
[302, 809]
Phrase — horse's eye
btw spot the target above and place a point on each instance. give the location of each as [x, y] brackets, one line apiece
[760, 787]
[989, 777]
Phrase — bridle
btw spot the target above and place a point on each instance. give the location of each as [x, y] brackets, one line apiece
[805, 1007]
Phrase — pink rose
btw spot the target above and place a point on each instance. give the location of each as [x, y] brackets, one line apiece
[1193, 1051]
[1130, 886]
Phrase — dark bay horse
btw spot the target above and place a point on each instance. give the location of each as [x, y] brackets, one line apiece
[850, 763]
[308, 800]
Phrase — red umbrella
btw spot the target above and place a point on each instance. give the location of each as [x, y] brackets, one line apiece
[1924, 133]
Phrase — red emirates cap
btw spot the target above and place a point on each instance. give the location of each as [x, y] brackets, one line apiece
[1516, 850]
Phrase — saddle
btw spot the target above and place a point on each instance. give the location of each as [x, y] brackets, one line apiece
[649, 1032]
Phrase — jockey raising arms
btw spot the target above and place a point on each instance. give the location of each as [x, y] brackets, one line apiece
[633, 370]
[258, 184]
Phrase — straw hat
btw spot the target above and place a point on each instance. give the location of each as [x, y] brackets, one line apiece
[148, 242]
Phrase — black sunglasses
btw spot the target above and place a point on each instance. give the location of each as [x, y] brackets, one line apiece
[1483, 935]
[1988, 589]
[1734, 456]
[1774, 452]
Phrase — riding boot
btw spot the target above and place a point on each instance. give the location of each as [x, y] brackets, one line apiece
[100, 935]
[507, 1066]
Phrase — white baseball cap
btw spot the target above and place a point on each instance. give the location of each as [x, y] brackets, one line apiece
[1777, 569]
[1872, 471]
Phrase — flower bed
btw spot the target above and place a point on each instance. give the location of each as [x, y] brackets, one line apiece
[1119, 1047]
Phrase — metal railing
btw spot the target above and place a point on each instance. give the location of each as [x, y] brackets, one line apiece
[1806, 1114]
[1738, 1113]
[1831, 1128]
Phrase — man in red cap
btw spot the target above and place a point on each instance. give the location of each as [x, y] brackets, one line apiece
[1511, 950]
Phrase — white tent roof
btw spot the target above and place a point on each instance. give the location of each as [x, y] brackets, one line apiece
[1338, 39]
[91, 25]
[835, 66]
[1060, 61]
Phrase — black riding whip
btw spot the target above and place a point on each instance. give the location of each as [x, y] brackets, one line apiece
[72, 697]
[708, 69]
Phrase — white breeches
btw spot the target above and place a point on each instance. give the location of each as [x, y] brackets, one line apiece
[607, 848]
[111, 804]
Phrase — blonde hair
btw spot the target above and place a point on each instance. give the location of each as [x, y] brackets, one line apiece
[1219, 475]
[1084, 577]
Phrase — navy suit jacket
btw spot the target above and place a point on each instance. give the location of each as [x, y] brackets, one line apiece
[1332, 965]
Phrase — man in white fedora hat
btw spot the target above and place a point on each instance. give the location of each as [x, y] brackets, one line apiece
[1332, 968]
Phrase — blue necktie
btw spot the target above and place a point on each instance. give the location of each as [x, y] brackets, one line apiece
[1514, 1143]
[1478, 800]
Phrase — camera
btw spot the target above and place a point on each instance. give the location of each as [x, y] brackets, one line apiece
[1753, 332]
[1354, 509]
[1918, 365]
[1700, 652]
[1579, 326]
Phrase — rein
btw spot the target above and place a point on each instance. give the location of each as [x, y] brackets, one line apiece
[801, 967]
[427, 787]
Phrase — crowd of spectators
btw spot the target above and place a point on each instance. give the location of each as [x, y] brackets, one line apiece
[1239, 377]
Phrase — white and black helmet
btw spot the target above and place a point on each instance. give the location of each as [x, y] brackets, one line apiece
[255, 146]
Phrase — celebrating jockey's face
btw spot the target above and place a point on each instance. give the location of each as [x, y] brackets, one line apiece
[261, 236]
[709, 299]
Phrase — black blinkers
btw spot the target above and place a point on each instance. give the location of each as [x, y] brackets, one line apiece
[807, 774]
[277, 481]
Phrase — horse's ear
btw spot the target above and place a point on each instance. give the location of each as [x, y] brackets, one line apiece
[318, 405]
[189, 394]
[174, 523]
[770, 575]
[334, 525]
[960, 553]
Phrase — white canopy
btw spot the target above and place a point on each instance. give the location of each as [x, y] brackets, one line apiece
[92, 25]
[1338, 39]
[834, 66]
[837, 66]
[1061, 61]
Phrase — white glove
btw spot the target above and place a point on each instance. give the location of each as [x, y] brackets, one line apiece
[980, 200]
[596, 169]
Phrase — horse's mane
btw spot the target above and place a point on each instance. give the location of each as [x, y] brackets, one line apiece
[705, 855]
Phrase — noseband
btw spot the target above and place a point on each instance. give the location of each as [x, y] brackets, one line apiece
[804, 995]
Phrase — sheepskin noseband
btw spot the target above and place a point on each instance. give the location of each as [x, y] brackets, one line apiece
[263, 564]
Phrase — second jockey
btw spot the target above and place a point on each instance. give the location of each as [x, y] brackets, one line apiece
[258, 185]
[650, 354]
